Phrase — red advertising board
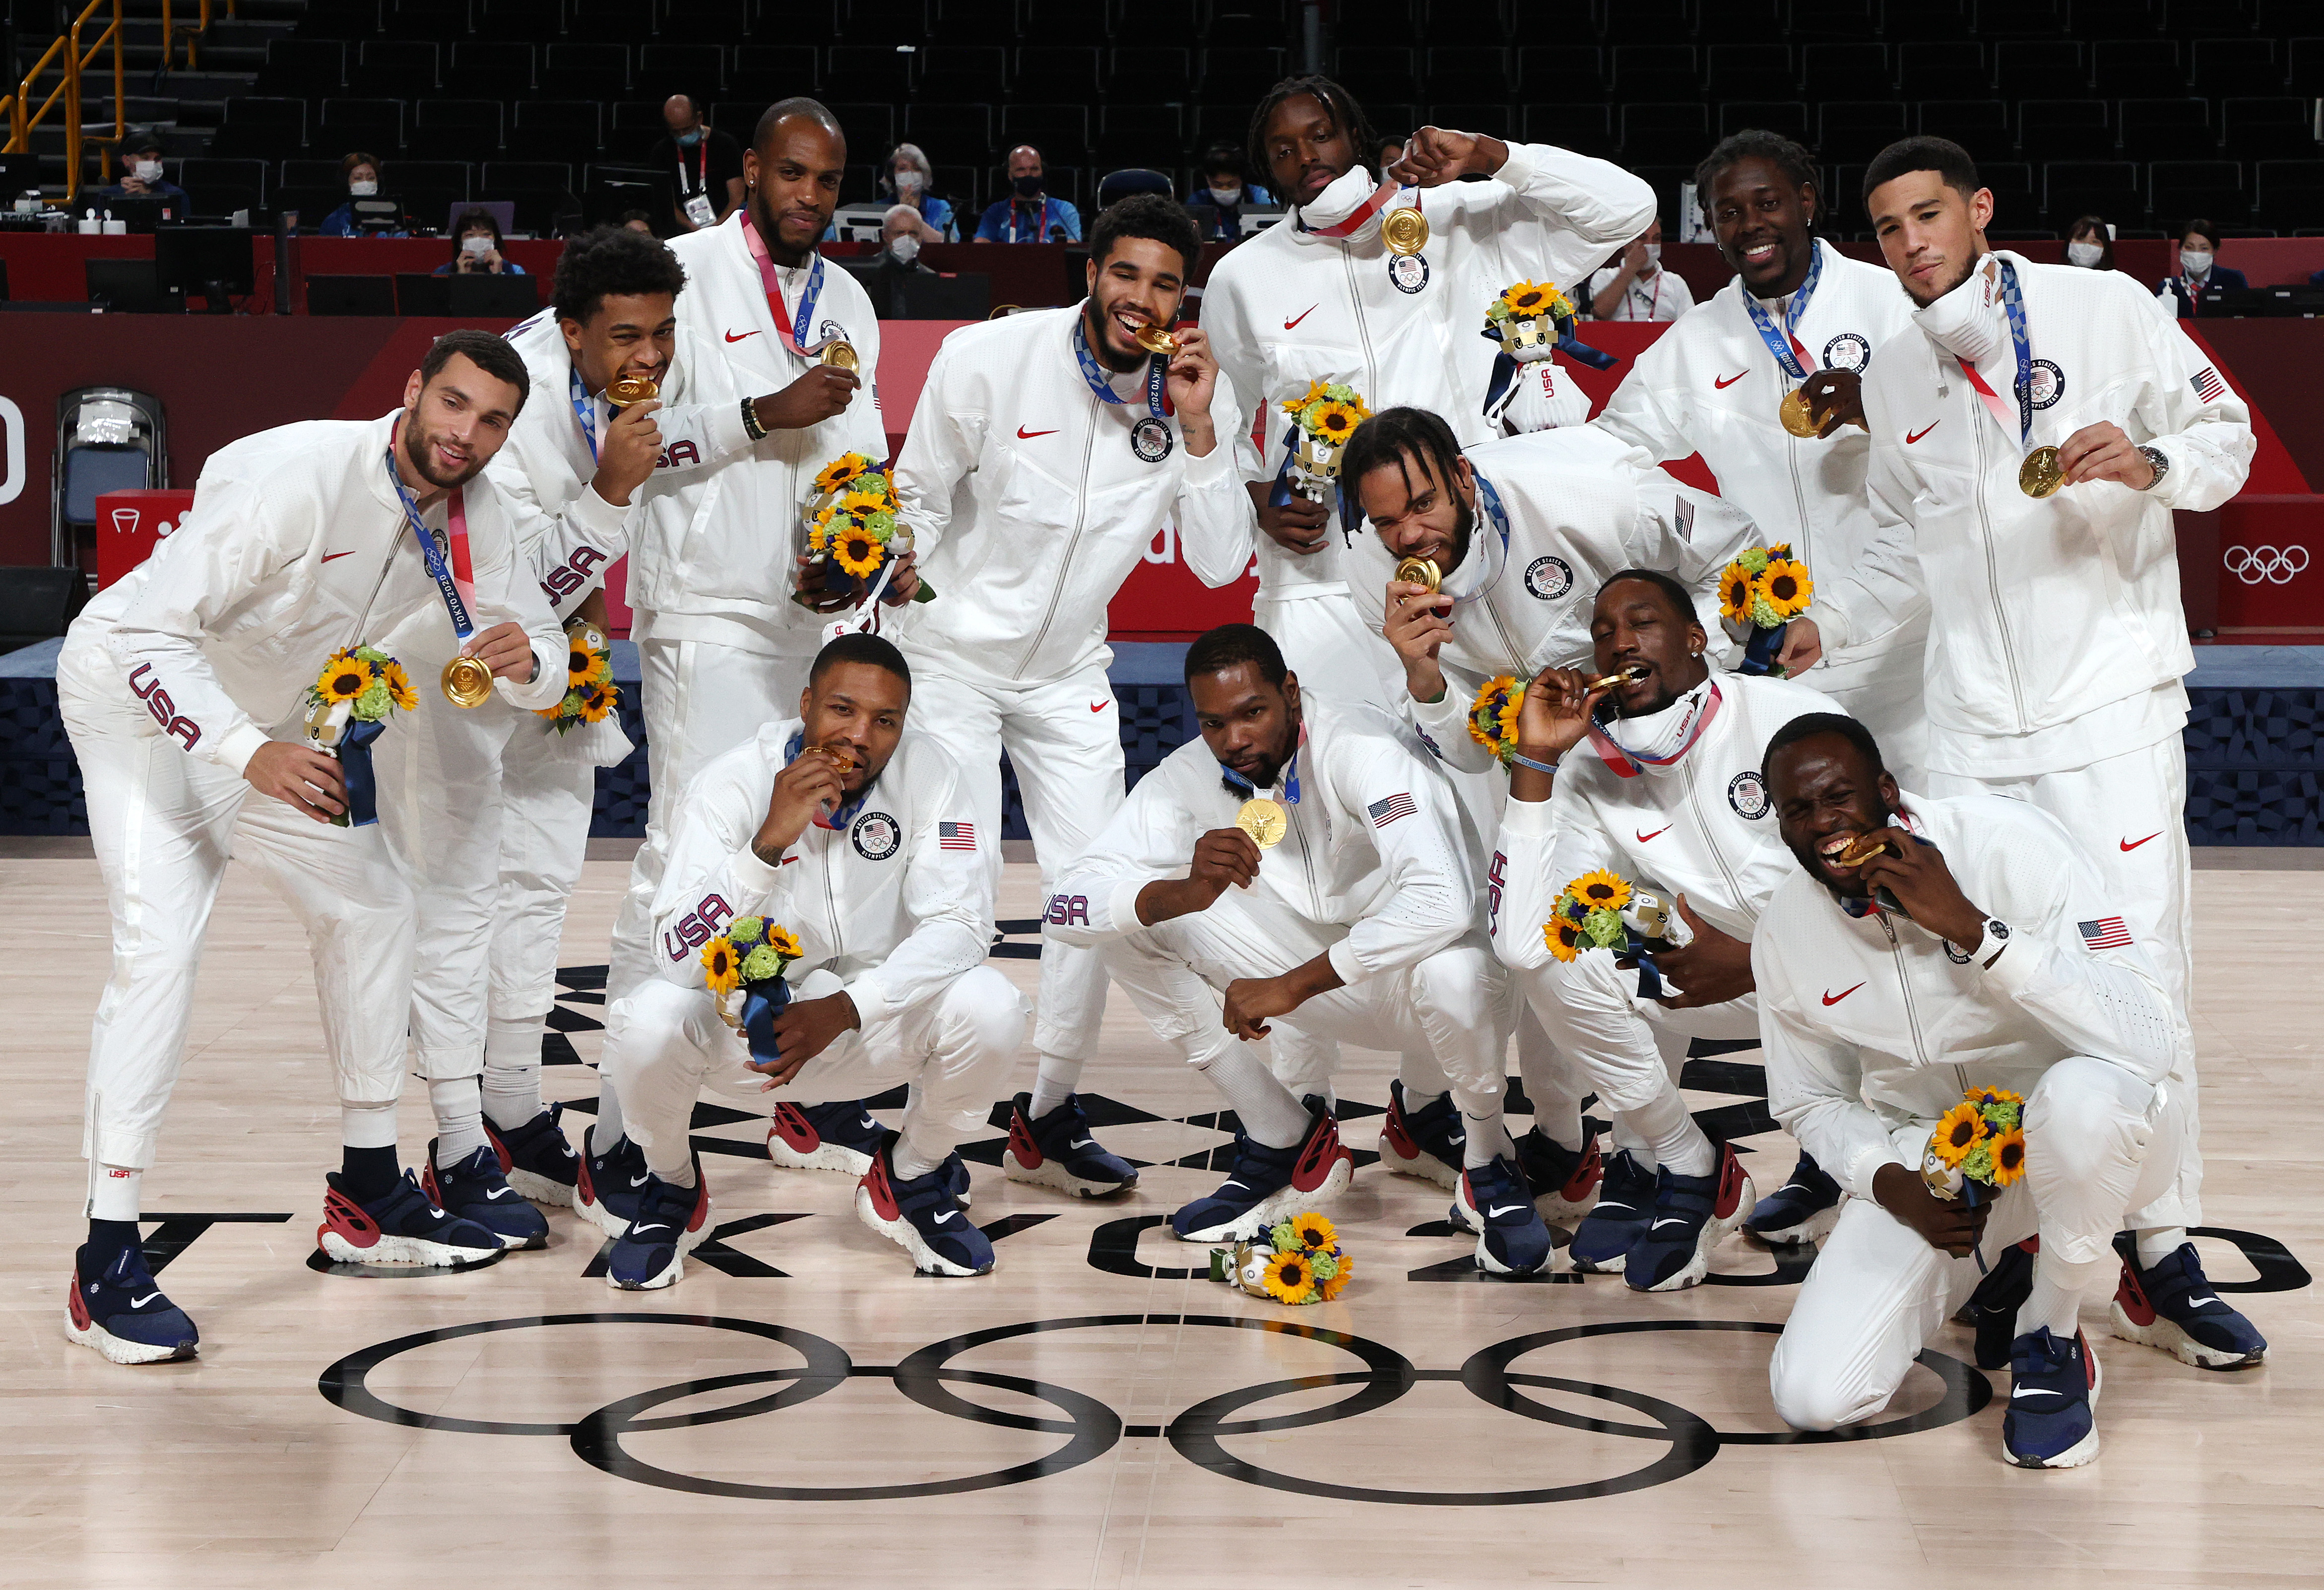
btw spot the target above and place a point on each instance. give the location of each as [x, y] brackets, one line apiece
[131, 524]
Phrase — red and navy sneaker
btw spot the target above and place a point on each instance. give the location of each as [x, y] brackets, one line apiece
[1803, 1210]
[922, 1215]
[1512, 1239]
[671, 1222]
[401, 1227]
[840, 1136]
[2053, 1398]
[475, 1189]
[1424, 1142]
[606, 1191]
[114, 1307]
[1267, 1185]
[537, 1159]
[1991, 1310]
[1626, 1201]
[2174, 1306]
[1058, 1150]
[1564, 1181]
[1692, 1216]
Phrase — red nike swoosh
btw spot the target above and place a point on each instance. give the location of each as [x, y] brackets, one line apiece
[2130, 844]
[1732, 380]
[328, 556]
[1097, 706]
[739, 335]
[1657, 833]
[1832, 999]
[1025, 434]
[1912, 436]
[1310, 309]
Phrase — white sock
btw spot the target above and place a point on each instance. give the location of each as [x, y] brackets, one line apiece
[1053, 1083]
[920, 1149]
[607, 1131]
[113, 1192]
[1489, 1136]
[2158, 1244]
[1670, 1132]
[681, 1176]
[512, 1072]
[1413, 1103]
[1268, 1111]
[2056, 1299]
[459, 1102]
[367, 1126]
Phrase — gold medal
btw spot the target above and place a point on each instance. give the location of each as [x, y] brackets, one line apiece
[2038, 475]
[632, 389]
[1157, 339]
[1405, 231]
[1630, 675]
[466, 682]
[1420, 571]
[1264, 820]
[1798, 417]
[840, 353]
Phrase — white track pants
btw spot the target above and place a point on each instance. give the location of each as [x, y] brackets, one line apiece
[164, 825]
[955, 1052]
[2097, 1142]
[547, 796]
[2130, 813]
[1064, 738]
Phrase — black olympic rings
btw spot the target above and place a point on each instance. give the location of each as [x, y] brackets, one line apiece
[1198, 1433]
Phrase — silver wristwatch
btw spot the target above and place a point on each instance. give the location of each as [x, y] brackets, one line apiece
[2162, 462]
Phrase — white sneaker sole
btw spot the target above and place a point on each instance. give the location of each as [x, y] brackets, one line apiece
[1464, 1218]
[926, 1260]
[688, 1240]
[600, 1217]
[119, 1349]
[2165, 1335]
[1558, 1211]
[540, 1189]
[1427, 1167]
[1275, 1207]
[1813, 1229]
[404, 1249]
[1714, 1232]
[827, 1156]
[1052, 1173]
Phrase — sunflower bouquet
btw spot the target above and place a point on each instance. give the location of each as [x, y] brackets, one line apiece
[854, 528]
[1493, 719]
[1981, 1141]
[1764, 590]
[743, 969]
[1527, 318]
[1322, 421]
[1598, 910]
[590, 693]
[1300, 1261]
[347, 708]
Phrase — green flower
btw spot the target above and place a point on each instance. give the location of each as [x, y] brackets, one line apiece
[1603, 928]
[1498, 313]
[2001, 1115]
[1763, 612]
[1281, 1238]
[882, 526]
[372, 654]
[745, 931]
[762, 965]
[1325, 1262]
[372, 704]
[1753, 558]
[1978, 1163]
[1340, 393]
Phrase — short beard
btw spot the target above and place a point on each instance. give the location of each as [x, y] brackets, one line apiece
[1093, 322]
[1967, 266]
[1464, 531]
[415, 453]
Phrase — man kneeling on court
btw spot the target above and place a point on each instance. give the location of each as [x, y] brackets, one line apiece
[1311, 864]
[852, 834]
[1925, 948]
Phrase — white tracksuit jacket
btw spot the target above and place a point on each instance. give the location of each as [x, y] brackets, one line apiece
[1289, 306]
[1581, 506]
[2056, 636]
[1377, 844]
[1702, 826]
[1873, 1023]
[1029, 505]
[712, 555]
[1709, 386]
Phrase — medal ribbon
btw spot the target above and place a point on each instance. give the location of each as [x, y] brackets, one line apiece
[784, 319]
[585, 410]
[842, 815]
[1795, 360]
[456, 583]
[1379, 201]
[1236, 784]
[2013, 304]
[1158, 373]
[1626, 763]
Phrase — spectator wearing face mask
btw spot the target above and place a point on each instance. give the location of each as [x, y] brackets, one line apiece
[911, 179]
[1224, 186]
[902, 232]
[2199, 251]
[360, 172]
[1029, 215]
[706, 164]
[1635, 287]
[140, 176]
[2089, 244]
[476, 248]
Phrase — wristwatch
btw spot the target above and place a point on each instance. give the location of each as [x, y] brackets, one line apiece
[1996, 932]
[2162, 462]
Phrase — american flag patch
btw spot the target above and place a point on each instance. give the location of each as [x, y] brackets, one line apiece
[956, 836]
[1383, 812]
[2208, 385]
[2105, 933]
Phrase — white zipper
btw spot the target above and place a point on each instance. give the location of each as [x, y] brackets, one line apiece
[1912, 1016]
[1710, 841]
[1992, 583]
[1065, 564]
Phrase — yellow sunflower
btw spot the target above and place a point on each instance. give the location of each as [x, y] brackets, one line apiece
[1299, 404]
[597, 702]
[1564, 936]
[1786, 585]
[1288, 1277]
[1333, 422]
[1313, 1231]
[345, 678]
[840, 471]
[856, 553]
[399, 685]
[2008, 1151]
[580, 665]
[1332, 1287]
[862, 505]
[783, 942]
[1528, 298]
[1957, 1133]
[1735, 594]
[722, 968]
[1982, 1097]
[1599, 889]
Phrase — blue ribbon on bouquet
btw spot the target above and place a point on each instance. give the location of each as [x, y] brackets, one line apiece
[353, 751]
[762, 1002]
[1760, 652]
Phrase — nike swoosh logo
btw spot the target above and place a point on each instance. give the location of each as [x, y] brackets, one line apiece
[1498, 1210]
[2032, 1391]
[2191, 1302]
[1912, 436]
[639, 1180]
[1025, 434]
[1097, 706]
[1657, 833]
[739, 335]
[141, 1302]
[1833, 999]
[2131, 845]
[1672, 1220]
[1719, 386]
[1083, 1142]
[498, 1193]
[947, 1215]
[328, 556]
[1303, 314]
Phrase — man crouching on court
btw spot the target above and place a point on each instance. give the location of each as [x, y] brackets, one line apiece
[852, 834]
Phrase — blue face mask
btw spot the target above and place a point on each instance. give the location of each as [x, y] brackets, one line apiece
[688, 140]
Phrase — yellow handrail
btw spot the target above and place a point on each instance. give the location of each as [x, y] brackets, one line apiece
[21, 122]
[193, 36]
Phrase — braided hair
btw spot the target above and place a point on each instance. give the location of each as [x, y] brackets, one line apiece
[1340, 105]
[1758, 143]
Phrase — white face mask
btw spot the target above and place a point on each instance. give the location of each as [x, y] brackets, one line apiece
[362, 189]
[1337, 202]
[906, 249]
[1226, 194]
[2195, 261]
[477, 245]
[2085, 254]
[149, 171]
[1654, 254]
[909, 182]
[1967, 322]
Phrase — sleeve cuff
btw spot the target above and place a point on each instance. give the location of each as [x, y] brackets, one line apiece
[2014, 968]
[1344, 960]
[753, 874]
[1858, 1174]
[1528, 819]
[1524, 161]
[1216, 465]
[595, 517]
[241, 744]
[547, 687]
[722, 426]
[1122, 909]
[2166, 490]
[870, 1003]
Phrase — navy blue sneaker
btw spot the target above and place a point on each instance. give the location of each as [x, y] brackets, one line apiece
[401, 1227]
[1058, 1150]
[841, 1136]
[2053, 1395]
[671, 1222]
[114, 1307]
[2174, 1306]
[1427, 1142]
[475, 1189]
[1693, 1215]
[1512, 1239]
[1992, 1309]
[1803, 1210]
[922, 1216]
[1626, 1201]
[537, 1159]
[609, 1184]
[1563, 1180]
[1267, 1185]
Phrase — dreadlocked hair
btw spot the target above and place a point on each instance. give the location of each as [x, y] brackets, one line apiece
[1346, 114]
[1398, 439]
[1758, 143]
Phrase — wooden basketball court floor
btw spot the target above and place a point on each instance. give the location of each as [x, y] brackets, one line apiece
[801, 1410]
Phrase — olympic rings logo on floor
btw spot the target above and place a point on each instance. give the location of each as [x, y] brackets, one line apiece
[2272, 566]
[1091, 1428]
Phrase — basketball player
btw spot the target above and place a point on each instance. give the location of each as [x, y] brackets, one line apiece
[182, 687]
[1799, 316]
[722, 647]
[1978, 947]
[2056, 637]
[1360, 922]
[850, 830]
[1046, 451]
